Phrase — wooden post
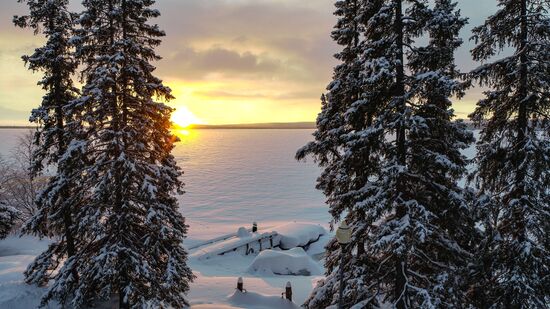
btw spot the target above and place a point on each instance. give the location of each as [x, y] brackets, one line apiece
[254, 227]
[240, 285]
[288, 291]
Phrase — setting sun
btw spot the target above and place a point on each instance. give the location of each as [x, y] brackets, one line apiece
[183, 117]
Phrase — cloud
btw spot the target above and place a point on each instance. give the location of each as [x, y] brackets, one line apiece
[248, 40]
[263, 20]
[189, 63]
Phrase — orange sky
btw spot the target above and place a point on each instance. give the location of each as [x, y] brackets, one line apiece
[238, 61]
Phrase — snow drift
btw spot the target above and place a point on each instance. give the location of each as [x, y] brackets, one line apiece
[299, 234]
[294, 262]
[253, 300]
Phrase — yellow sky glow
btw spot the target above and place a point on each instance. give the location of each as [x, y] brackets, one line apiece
[246, 102]
[183, 117]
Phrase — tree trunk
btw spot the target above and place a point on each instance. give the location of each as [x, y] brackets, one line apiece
[518, 219]
[61, 149]
[401, 211]
[118, 177]
[522, 124]
[400, 82]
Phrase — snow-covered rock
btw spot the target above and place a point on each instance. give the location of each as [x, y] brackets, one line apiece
[292, 262]
[253, 300]
[298, 234]
[317, 249]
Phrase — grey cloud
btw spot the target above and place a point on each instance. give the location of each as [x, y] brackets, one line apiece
[192, 19]
[295, 35]
[189, 63]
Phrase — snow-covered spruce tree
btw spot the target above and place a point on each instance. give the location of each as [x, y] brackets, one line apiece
[513, 156]
[397, 163]
[343, 172]
[56, 203]
[438, 257]
[131, 225]
[420, 221]
[8, 215]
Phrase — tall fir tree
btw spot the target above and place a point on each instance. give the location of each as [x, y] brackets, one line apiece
[397, 163]
[131, 227]
[436, 165]
[343, 172]
[512, 176]
[56, 203]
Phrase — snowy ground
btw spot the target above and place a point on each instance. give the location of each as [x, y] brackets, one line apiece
[215, 286]
[15, 254]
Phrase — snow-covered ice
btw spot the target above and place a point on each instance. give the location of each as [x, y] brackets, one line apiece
[230, 182]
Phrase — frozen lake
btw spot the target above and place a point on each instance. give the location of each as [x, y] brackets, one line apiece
[235, 177]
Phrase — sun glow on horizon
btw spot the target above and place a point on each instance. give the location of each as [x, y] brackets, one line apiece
[230, 101]
[184, 118]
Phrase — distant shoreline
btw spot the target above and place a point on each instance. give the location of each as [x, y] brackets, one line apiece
[290, 125]
[255, 126]
[249, 126]
[17, 127]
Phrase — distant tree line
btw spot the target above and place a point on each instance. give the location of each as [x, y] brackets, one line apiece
[391, 158]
